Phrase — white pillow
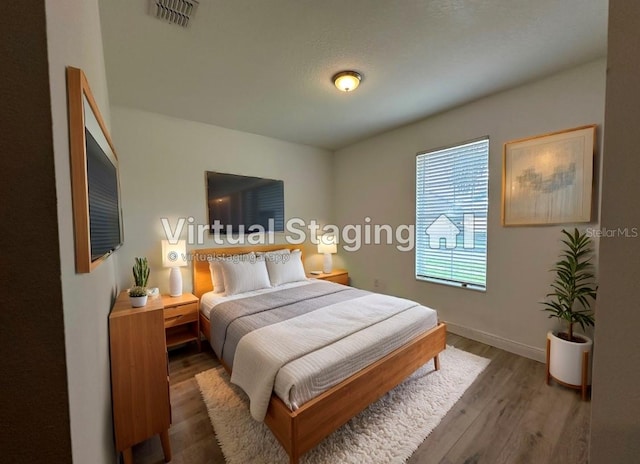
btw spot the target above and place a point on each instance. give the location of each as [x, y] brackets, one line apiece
[285, 268]
[284, 251]
[217, 279]
[244, 273]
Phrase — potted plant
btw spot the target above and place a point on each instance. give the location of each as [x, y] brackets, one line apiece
[138, 296]
[141, 272]
[573, 291]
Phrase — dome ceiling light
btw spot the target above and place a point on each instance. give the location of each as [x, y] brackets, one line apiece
[347, 81]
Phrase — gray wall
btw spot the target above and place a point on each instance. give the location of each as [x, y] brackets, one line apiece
[615, 421]
[376, 178]
[163, 161]
[74, 39]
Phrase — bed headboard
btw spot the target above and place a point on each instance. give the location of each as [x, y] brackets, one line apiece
[201, 275]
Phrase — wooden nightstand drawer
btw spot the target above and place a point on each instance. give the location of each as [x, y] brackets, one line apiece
[339, 279]
[181, 319]
[182, 314]
[339, 276]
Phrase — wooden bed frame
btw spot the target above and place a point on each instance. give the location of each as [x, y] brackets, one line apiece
[299, 431]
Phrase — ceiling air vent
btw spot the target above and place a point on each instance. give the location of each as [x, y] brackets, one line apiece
[177, 12]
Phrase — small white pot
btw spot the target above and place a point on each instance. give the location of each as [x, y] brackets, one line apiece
[565, 359]
[138, 301]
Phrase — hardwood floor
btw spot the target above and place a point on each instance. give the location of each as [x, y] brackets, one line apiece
[508, 416]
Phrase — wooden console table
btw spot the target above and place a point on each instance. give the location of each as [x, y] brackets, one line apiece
[139, 375]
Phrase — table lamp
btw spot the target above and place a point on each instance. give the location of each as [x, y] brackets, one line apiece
[327, 246]
[174, 256]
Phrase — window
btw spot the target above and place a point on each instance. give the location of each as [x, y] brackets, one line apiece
[452, 190]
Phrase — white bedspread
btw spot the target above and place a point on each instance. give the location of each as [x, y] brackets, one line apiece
[307, 377]
[263, 352]
[210, 300]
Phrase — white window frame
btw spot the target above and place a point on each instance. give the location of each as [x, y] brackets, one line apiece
[452, 207]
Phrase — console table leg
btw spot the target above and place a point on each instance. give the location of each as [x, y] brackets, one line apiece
[166, 445]
[585, 374]
[548, 374]
[127, 456]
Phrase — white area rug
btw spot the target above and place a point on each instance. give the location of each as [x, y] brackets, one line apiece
[388, 431]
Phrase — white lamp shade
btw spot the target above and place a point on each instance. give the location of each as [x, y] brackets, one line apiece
[327, 244]
[174, 255]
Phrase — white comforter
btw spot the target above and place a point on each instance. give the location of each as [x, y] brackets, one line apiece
[261, 354]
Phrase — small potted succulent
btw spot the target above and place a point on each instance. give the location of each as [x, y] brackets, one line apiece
[138, 294]
[573, 292]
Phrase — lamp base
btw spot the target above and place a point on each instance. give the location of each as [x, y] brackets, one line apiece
[327, 265]
[175, 282]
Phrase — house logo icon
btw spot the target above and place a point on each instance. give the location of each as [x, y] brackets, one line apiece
[444, 230]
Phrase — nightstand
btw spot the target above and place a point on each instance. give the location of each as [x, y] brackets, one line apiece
[339, 276]
[181, 319]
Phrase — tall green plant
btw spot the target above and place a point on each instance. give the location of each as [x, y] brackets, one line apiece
[141, 272]
[573, 287]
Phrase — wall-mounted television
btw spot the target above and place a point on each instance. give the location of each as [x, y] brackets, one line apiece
[95, 188]
[244, 204]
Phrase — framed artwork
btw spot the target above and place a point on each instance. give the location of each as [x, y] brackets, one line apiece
[95, 185]
[548, 179]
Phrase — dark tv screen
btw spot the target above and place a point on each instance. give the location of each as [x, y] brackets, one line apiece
[104, 208]
[245, 201]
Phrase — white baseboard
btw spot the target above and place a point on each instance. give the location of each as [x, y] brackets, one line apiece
[537, 354]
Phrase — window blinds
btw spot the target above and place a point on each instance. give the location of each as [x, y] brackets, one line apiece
[451, 214]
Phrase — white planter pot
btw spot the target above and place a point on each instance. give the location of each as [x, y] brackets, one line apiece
[138, 301]
[566, 359]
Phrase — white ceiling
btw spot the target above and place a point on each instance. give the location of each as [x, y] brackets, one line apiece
[265, 66]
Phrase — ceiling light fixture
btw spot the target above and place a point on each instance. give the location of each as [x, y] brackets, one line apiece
[347, 80]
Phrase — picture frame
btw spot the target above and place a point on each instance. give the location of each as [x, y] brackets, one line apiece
[95, 182]
[548, 179]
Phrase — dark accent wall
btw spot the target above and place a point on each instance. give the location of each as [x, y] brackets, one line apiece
[34, 402]
[615, 419]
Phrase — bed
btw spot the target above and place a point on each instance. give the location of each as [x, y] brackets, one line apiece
[302, 427]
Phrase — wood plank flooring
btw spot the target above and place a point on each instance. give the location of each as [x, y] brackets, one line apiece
[508, 416]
